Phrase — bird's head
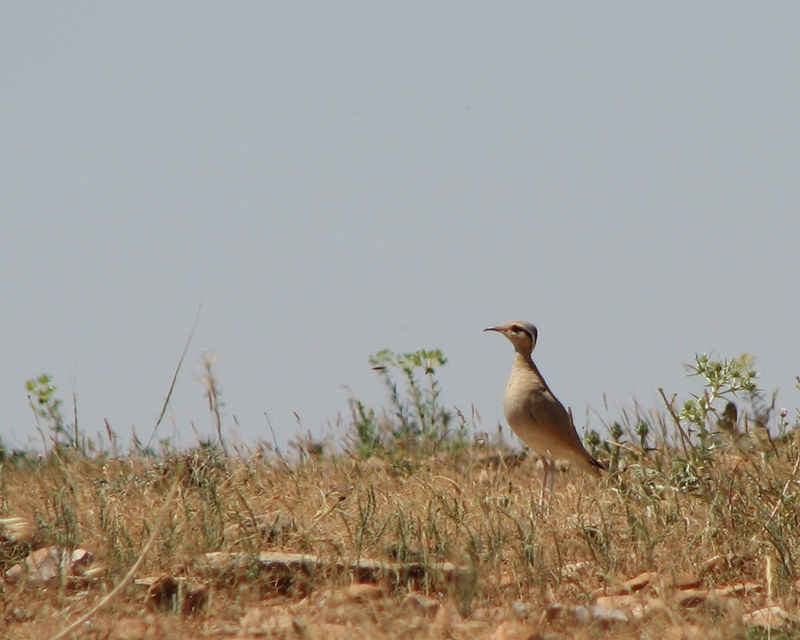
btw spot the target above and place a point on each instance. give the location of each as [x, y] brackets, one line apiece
[522, 334]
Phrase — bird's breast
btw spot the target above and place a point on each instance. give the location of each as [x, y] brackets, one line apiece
[521, 392]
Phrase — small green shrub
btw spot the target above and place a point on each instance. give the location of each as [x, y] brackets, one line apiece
[415, 421]
[46, 406]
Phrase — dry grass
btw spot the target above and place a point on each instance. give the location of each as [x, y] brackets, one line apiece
[660, 548]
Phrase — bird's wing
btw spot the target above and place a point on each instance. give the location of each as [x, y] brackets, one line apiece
[552, 418]
[556, 432]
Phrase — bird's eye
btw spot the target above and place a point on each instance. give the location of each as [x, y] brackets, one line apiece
[516, 328]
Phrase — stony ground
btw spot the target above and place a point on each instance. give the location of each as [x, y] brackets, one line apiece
[452, 545]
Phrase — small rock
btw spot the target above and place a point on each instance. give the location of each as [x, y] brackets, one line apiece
[768, 618]
[581, 614]
[17, 530]
[421, 604]
[15, 573]
[633, 604]
[608, 614]
[738, 589]
[44, 564]
[637, 583]
[691, 597]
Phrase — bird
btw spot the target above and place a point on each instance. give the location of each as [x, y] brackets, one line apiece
[535, 414]
[729, 418]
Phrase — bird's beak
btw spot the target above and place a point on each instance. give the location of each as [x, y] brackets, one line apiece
[498, 329]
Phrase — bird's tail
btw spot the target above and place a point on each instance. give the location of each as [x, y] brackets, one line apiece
[595, 466]
[587, 462]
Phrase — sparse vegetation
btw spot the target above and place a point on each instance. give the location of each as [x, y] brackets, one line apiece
[416, 525]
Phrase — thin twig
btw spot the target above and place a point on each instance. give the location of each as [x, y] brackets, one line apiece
[177, 370]
[76, 443]
[684, 438]
[38, 425]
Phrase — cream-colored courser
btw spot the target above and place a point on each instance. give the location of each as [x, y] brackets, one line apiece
[535, 414]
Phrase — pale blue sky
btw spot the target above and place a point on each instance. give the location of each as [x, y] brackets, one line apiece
[340, 178]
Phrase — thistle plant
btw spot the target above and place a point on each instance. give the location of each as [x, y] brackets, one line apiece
[415, 419]
[723, 380]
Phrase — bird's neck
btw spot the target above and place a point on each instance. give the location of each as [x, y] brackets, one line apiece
[525, 374]
[523, 360]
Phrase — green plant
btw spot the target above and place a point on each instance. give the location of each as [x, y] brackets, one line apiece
[365, 428]
[46, 406]
[702, 418]
[723, 379]
[416, 420]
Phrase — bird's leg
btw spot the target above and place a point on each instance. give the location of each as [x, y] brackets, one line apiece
[544, 482]
[547, 479]
[551, 477]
